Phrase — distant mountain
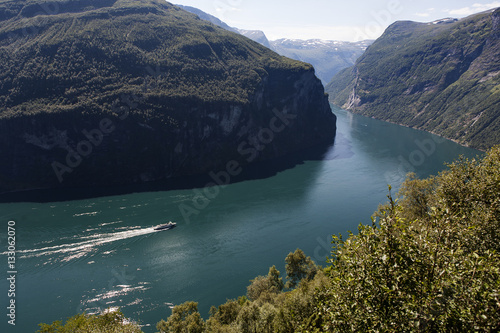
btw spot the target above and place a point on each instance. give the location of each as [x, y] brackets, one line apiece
[442, 77]
[114, 92]
[207, 17]
[255, 35]
[328, 57]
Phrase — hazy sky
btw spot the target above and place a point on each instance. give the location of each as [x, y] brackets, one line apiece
[332, 19]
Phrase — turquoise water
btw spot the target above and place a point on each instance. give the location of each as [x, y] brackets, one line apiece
[95, 253]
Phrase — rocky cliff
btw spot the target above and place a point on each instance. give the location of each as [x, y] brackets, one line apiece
[441, 77]
[98, 93]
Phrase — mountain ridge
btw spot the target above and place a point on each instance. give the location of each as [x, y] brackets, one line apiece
[327, 56]
[255, 35]
[440, 76]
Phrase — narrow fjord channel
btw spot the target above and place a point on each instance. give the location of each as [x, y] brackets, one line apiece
[95, 253]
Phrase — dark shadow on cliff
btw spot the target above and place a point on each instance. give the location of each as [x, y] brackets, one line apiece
[253, 171]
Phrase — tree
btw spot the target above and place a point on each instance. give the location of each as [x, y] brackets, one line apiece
[265, 285]
[248, 319]
[299, 267]
[111, 321]
[431, 264]
[185, 318]
[275, 279]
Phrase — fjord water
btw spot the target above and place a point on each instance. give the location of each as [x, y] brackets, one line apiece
[103, 252]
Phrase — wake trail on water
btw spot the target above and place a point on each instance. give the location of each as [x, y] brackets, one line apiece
[79, 249]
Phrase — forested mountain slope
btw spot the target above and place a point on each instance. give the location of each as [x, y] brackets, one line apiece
[105, 92]
[441, 77]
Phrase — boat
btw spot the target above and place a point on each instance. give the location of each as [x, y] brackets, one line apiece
[167, 226]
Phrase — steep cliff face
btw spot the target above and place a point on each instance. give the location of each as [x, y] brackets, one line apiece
[99, 93]
[441, 77]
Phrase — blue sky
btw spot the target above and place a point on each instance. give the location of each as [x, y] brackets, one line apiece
[332, 19]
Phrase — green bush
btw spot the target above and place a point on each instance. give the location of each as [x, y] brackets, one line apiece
[108, 322]
[431, 264]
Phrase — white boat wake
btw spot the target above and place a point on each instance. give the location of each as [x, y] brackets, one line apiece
[80, 249]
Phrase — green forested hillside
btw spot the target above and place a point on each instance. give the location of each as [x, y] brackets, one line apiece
[162, 93]
[429, 261]
[439, 77]
[82, 54]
